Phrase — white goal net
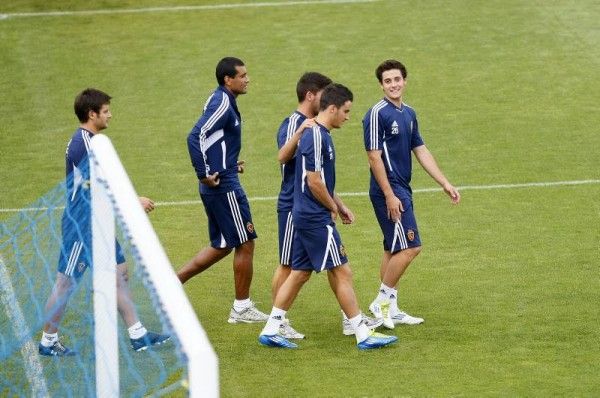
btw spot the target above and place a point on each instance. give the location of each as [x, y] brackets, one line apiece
[105, 364]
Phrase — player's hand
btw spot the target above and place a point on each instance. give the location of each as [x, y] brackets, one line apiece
[453, 193]
[394, 207]
[306, 124]
[147, 204]
[240, 166]
[346, 215]
[211, 180]
[334, 213]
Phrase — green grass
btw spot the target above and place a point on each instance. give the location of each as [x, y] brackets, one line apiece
[505, 93]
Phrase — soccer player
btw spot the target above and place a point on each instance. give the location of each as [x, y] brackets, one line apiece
[308, 90]
[92, 108]
[391, 132]
[214, 145]
[317, 245]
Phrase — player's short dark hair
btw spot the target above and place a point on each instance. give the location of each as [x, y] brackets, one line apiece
[227, 67]
[335, 94]
[90, 99]
[389, 65]
[311, 82]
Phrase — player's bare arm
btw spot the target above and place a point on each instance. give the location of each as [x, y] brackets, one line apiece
[345, 213]
[394, 205]
[287, 151]
[428, 163]
[319, 190]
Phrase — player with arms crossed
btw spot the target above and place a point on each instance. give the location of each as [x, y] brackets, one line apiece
[214, 145]
[317, 245]
[93, 111]
[391, 132]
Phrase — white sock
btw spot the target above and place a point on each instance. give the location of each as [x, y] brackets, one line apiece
[48, 339]
[384, 293]
[136, 330]
[274, 322]
[394, 301]
[361, 331]
[241, 305]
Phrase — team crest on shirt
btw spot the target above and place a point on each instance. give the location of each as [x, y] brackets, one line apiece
[81, 267]
[395, 128]
[343, 251]
[330, 151]
[410, 235]
[250, 227]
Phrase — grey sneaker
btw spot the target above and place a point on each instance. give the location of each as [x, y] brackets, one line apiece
[287, 331]
[372, 324]
[250, 314]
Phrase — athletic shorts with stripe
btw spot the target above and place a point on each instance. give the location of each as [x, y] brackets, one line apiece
[286, 237]
[397, 235]
[76, 251]
[229, 220]
[318, 249]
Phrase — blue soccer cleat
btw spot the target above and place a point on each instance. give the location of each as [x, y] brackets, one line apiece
[147, 340]
[376, 340]
[276, 340]
[56, 350]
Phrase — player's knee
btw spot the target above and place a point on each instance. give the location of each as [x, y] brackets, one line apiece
[64, 285]
[248, 245]
[414, 251]
[346, 272]
[300, 277]
[223, 251]
[246, 248]
[306, 276]
[342, 273]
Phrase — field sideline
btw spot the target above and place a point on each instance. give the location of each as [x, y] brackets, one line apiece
[505, 93]
[345, 194]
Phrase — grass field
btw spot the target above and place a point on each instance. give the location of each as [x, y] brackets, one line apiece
[506, 93]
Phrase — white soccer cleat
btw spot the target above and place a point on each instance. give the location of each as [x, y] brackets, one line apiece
[372, 324]
[250, 314]
[287, 331]
[381, 310]
[402, 318]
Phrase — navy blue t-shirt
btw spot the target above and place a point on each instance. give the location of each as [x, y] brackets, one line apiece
[77, 171]
[394, 131]
[286, 131]
[215, 142]
[315, 153]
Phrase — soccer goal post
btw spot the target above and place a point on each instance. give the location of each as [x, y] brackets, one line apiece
[113, 197]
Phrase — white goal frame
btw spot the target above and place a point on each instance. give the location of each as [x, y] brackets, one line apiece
[113, 196]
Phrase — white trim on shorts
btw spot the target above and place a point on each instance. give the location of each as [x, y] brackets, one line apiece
[332, 248]
[237, 216]
[399, 237]
[73, 257]
[288, 238]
